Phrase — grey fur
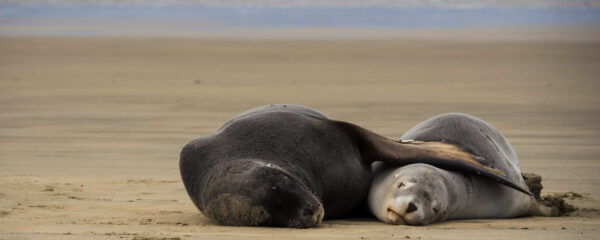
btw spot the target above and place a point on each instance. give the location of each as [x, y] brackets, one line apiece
[439, 194]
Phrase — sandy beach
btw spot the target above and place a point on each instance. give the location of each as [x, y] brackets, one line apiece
[91, 127]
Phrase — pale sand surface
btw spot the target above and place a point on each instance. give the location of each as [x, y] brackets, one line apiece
[91, 128]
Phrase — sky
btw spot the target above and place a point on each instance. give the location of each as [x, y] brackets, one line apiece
[198, 17]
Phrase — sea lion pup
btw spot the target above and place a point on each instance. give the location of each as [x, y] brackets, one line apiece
[291, 166]
[420, 194]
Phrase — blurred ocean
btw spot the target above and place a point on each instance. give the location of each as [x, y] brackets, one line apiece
[190, 18]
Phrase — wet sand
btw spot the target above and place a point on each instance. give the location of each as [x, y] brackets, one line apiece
[91, 128]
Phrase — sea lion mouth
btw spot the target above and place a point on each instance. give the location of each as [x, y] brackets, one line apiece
[311, 217]
[394, 216]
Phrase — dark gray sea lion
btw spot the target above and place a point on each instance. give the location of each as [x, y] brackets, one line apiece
[419, 194]
[291, 166]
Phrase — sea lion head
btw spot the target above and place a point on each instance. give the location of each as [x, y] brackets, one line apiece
[251, 192]
[414, 194]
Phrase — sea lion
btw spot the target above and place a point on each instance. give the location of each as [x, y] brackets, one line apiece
[291, 166]
[419, 194]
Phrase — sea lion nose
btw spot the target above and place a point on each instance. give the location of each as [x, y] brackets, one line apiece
[308, 211]
[411, 208]
[314, 214]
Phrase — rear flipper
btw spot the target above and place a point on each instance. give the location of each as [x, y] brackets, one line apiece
[555, 202]
[540, 210]
[548, 206]
[534, 183]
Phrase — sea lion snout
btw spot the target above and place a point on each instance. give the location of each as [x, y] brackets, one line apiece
[405, 210]
[252, 193]
[314, 215]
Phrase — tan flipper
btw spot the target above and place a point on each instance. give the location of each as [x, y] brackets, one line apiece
[374, 147]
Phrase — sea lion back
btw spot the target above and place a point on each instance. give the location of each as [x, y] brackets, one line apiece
[474, 134]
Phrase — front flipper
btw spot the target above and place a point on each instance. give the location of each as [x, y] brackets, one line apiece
[374, 147]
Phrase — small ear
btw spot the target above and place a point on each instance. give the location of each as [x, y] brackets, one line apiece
[374, 147]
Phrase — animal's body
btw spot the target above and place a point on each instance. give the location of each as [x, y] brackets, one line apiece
[418, 194]
[291, 166]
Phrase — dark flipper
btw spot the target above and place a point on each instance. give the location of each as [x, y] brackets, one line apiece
[374, 147]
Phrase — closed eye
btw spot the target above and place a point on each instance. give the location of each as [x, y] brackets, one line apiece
[401, 185]
[435, 210]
